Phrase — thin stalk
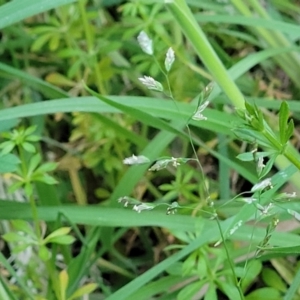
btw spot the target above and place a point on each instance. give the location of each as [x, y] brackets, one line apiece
[32, 203]
[204, 50]
[237, 283]
[35, 217]
[90, 46]
[289, 154]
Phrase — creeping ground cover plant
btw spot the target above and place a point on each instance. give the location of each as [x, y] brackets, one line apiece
[261, 203]
[149, 149]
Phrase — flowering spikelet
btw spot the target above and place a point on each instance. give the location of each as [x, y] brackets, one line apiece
[151, 84]
[170, 58]
[198, 114]
[145, 43]
[136, 160]
[267, 183]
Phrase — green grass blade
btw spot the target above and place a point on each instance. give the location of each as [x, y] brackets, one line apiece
[40, 85]
[126, 291]
[13, 273]
[206, 53]
[290, 29]
[293, 287]
[18, 10]
[138, 114]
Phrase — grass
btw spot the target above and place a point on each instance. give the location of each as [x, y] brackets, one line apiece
[71, 94]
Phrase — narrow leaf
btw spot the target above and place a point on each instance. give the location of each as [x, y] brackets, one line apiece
[138, 114]
[84, 290]
[63, 282]
[289, 130]
[283, 118]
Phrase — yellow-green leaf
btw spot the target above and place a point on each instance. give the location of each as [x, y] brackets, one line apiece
[84, 290]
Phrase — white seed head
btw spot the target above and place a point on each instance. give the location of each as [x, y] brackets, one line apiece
[267, 208]
[136, 160]
[145, 43]
[207, 90]
[175, 162]
[151, 84]
[294, 214]
[199, 117]
[267, 183]
[293, 195]
[236, 227]
[170, 58]
[141, 207]
[260, 165]
[198, 114]
[249, 200]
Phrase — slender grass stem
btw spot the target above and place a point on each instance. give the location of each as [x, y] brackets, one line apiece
[237, 283]
[90, 46]
[31, 197]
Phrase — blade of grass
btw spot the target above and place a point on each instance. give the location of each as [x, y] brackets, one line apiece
[293, 287]
[289, 63]
[138, 114]
[40, 85]
[13, 273]
[5, 292]
[291, 29]
[206, 53]
[18, 10]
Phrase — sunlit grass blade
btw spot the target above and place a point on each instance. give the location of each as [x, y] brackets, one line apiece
[206, 53]
[293, 287]
[18, 10]
[274, 25]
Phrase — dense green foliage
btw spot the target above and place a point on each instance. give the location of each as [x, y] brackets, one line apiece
[149, 149]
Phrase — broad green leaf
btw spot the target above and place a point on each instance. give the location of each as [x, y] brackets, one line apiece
[250, 273]
[211, 293]
[20, 225]
[34, 162]
[272, 279]
[62, 240]
[44, 253]
[63, 283]
[264, 293]
[247, 156]
[84, 290]
[228, 289]
[15, 237]
[8, 163]
[58, 232]
[189, 291]
[47, 167]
